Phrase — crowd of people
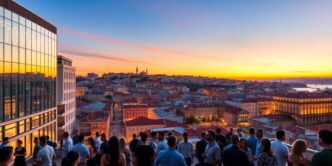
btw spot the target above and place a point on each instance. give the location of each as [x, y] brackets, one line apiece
[214, 149]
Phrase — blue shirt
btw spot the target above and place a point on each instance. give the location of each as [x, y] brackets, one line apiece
[258, 147]
[67, 147]
[169, 157]
[83, 151]
[162, 146]
[252, 143]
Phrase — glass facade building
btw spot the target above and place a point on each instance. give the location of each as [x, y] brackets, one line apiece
[28, 49]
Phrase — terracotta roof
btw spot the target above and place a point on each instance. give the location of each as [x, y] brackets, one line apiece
[143, 121]
[232, 109]
[302, 95]
[135, 106]
[96, 117]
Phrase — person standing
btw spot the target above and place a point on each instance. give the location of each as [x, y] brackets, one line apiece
[83, 150]
[200, 148]
[20, 153]
[170, 157]
[297, 158]
[212, 150]
[6, 154]
[154, 140]
[243, 145]
[46, 154]
[233, 156]
[229, 136]
[279, 149]
[259, 135]
[144, 153]
[113, 157]
[125, 151]
[103, 148]
[36, 149]
[324, 157]
[76, 136]
[134, 144]
[97, 141]
[186, 149]
[5, 142]
[92, 151]
[240, 133]
[67, 146]
[252, 141]
[266, 157]
[162, 142]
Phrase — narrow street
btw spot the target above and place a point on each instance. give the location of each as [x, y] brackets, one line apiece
[117, 127]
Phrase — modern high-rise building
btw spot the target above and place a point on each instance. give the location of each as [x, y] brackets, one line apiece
[28, 49]
[66, 84]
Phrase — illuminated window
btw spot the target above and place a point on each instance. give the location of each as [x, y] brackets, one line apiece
[10, 130]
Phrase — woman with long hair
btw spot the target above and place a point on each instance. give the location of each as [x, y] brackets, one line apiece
[113, 157]
[93, 151]
[266, 157]
[244, 148]
[297, 158]
[125, 150]
[20, 153]
[72, 159]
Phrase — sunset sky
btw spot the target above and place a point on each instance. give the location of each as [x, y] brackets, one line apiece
[243, 39]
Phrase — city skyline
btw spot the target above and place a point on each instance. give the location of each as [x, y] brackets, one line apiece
[230, 39]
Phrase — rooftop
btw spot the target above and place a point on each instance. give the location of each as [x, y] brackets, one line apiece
[96, 117]
[99, 106]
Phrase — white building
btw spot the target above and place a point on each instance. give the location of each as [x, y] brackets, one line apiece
[66, 83]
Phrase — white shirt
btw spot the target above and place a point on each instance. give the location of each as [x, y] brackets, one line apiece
[97, 142]
[280, 151]
[212, 153]
[67, 147]
[45, 155]
[162, 146]
[186, 149]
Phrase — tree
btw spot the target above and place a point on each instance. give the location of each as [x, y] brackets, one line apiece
[191, 120]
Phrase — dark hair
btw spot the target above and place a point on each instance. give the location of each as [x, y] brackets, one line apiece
[266, 146]
[5, 139]
[114, 150]
[235, 139]
[185, 134]
[19, 141]
[47, 137]
[6, 153]
[280, 134]
[171, 141]
[153, 133]
[134, 135]
[326, 136]
[144, 137]
[80, 138]
[259, 130]
[42, 140]
[97, 134]
[162, 134]
[72, 156]
[218, 130]
[243, 139]
[66, 134]
[212, 133]
[103, 135]
[251, 131]
[203, 134]
[170, 133]
[92, 144]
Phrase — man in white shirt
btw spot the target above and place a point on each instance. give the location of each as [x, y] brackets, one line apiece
[67, 146]
[279, 149]
[97, 141]
[46, 154]
[186, 149]
[162, 143]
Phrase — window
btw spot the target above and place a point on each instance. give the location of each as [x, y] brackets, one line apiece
[10, 130]
[8, 31]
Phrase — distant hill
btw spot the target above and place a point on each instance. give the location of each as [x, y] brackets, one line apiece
[309, 80]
